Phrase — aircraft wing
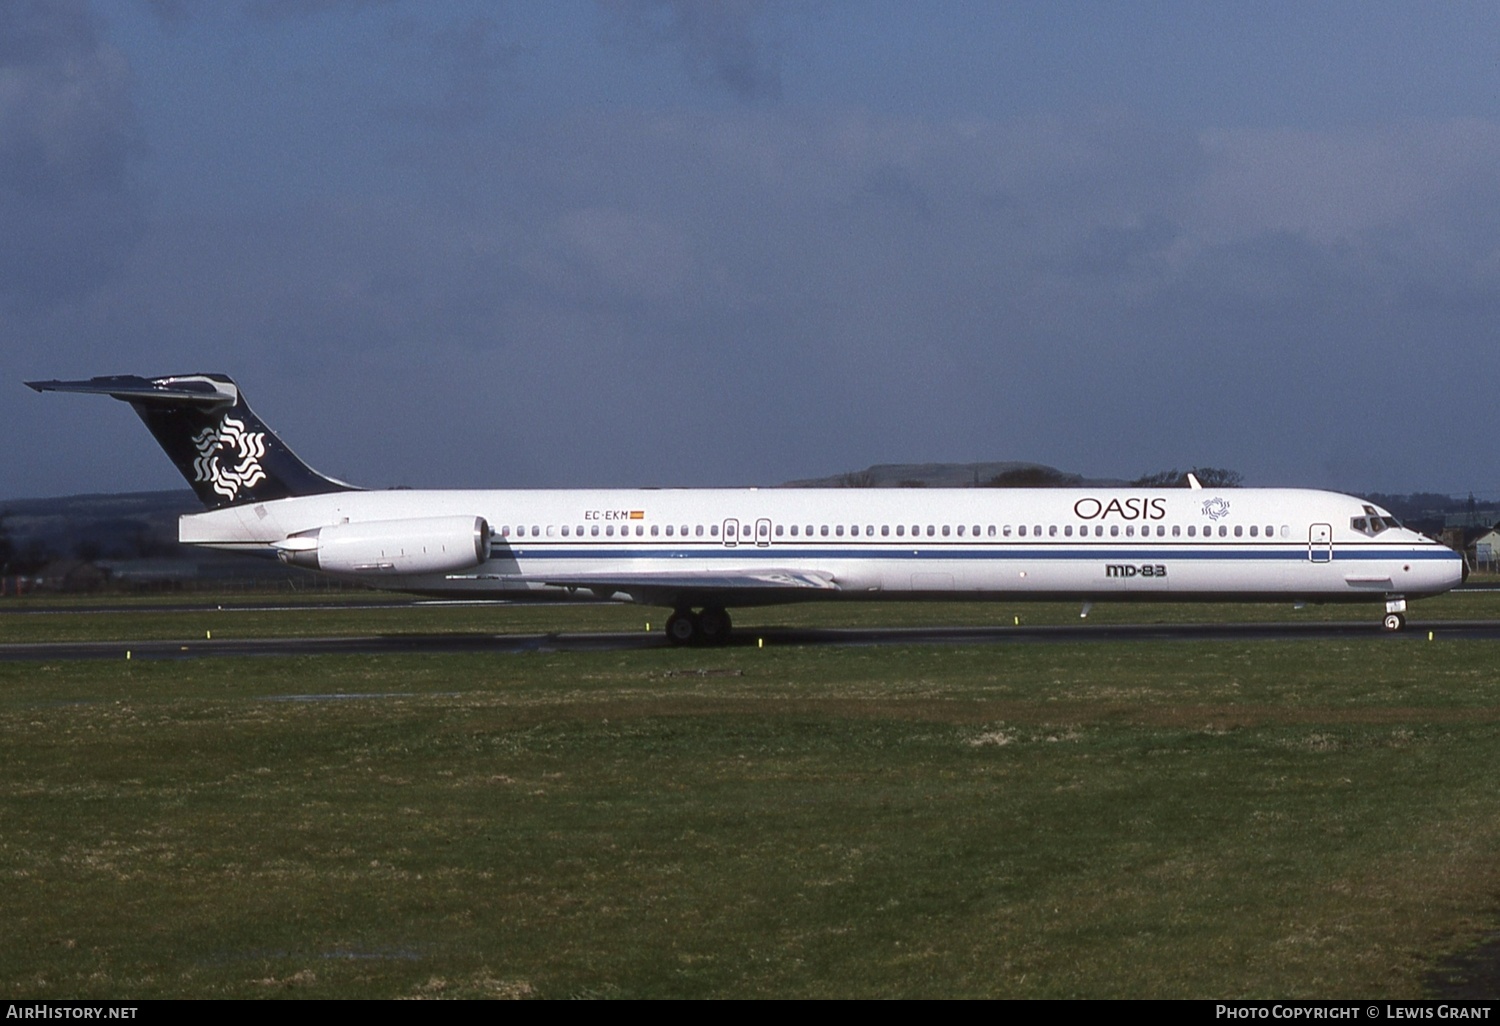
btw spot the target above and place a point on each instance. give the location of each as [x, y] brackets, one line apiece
[686, 588]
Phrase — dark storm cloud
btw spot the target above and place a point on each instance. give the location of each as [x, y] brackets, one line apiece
[723, 42]
[69, 143]
[461, 64]
[174, 12]
[750, 297]
[275, 10]
[177, 13]
[616, 297]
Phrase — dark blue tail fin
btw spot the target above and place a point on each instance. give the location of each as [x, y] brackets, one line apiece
[218, 443]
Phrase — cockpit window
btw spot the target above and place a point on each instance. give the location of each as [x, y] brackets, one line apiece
[1373, 525]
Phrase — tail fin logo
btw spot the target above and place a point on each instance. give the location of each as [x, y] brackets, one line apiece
[229, 457]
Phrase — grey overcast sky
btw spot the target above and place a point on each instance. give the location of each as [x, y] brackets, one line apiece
[641, 242]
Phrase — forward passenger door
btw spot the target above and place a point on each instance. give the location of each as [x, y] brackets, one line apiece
[1320, 543]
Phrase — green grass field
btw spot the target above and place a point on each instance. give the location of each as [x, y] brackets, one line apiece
[50, 619]
[1143, 819]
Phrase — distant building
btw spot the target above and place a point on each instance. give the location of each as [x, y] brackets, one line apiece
[72, 575]
[1470, 518]
[1486, 554]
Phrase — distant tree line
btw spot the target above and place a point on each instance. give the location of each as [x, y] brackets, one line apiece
[1420, 505]
[1033, 477]
[91, 541]
[19, 558]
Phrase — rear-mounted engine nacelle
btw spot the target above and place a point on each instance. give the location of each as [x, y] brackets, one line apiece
[426, 545]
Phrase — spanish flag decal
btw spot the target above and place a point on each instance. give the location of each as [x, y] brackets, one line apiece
[637, 514]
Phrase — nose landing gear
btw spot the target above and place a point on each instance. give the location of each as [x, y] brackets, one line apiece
[1395, 614]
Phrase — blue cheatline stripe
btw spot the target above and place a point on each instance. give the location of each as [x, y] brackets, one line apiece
[785, 552]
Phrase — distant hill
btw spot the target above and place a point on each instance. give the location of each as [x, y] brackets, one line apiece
[133, 524]
[131, 537]
[942, 475]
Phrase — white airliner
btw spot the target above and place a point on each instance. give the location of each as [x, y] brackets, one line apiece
[700, 552]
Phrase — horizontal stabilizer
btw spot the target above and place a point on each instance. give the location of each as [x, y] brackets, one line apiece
[131, 388]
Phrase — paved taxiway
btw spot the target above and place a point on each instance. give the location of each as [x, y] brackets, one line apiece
[509, 644]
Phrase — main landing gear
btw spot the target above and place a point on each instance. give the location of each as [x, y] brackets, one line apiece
[710, 626]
